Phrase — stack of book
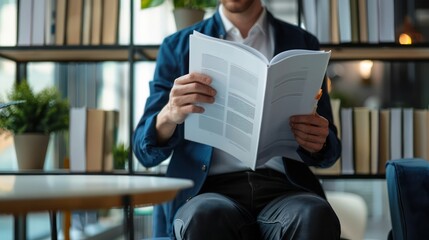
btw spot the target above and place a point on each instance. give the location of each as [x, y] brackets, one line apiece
[350, 21]
[93, 134]
[371, 137]
[68, 22]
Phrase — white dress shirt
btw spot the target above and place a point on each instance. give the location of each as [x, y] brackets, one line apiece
[261, 38]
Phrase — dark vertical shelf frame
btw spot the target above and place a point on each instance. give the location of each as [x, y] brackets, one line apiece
[21, 67]
[131, 89]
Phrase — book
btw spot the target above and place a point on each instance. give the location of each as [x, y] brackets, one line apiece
[60, 22]
[86, 22]
[363, 21]
[395, 133]
[344, 21]
[347, 166]
[111, 125]
[77, 134]
[93, 134]
[384, 141]
[420, 122]
[96, 19]
[309, 14]
[74, 22]
[335, 29]
[354, 18]
[372, 14]
[375, 137]
[407, 133]
[50, 19]
[110, 22]
[386, 20]
[323, 14]
[362, 146]
[24, 22]
[255, 98]
[38, 23]
[95, 121]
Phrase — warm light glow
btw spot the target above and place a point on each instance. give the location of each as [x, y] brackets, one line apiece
[405, 39]
[329, 85]
[365, 67]
[7, 183]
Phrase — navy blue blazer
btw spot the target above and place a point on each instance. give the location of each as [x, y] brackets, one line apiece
[191, 160]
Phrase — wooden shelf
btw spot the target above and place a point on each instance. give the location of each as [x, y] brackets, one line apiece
[377, 52]
[77, 53]
[150, 52]
[146, 52]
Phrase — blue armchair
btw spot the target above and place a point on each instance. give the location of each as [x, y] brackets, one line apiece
[408, 190]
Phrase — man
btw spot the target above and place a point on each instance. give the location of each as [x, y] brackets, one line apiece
[281, 199]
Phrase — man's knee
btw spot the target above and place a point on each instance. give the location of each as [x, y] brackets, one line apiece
[210, 216]
[301, 216]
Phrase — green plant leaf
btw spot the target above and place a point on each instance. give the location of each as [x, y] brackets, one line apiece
[44, 112]
[150, 3]
[120, 155]
[196, 4]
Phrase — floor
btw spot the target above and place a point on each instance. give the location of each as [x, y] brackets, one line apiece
[38, 229]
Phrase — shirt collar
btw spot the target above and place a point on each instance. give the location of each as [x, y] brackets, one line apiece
[261, 24]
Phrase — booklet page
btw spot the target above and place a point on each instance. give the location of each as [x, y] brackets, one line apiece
[292, 85]
[232, 123]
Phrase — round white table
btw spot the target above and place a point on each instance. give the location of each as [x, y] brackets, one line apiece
[20, 194]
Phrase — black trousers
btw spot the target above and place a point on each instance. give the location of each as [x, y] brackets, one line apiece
[255, 205]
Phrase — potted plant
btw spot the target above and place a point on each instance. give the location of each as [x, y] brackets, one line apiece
[120, 156]
[186, 12]
[32, 121]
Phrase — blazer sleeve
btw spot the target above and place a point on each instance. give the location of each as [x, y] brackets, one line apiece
[332, 149]
[144, 139]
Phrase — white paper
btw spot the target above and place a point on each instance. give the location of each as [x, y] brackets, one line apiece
[250, 116]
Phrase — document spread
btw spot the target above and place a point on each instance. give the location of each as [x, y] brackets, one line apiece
[255, 97]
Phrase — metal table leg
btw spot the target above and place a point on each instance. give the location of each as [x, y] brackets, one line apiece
[128, 218]
[20, 226]
[53, 220]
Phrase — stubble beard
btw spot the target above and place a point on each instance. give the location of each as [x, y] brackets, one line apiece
[237, 6]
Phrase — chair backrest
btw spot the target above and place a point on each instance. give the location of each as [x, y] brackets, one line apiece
[408, 190]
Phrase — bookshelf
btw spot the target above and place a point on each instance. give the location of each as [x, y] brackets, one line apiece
[132, 53]
[22, 54]
[402, 68]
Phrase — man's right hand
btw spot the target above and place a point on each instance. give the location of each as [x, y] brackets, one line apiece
[187, 91]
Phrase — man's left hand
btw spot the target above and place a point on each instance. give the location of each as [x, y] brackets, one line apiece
[310, 131]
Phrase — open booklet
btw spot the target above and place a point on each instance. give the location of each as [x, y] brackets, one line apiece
[255, 97]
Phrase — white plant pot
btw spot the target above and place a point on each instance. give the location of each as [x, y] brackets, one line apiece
[185, 17]
[30, 150]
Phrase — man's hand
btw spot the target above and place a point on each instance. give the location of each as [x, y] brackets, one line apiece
[187, 91]
[310, 131]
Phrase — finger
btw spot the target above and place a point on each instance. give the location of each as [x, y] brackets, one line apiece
[178, 114]
[311, 119]
[306, 137]
[309, 146]
[191, 99]
[192, 88]
[187, 109]
[193, 77]
[322, 131]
